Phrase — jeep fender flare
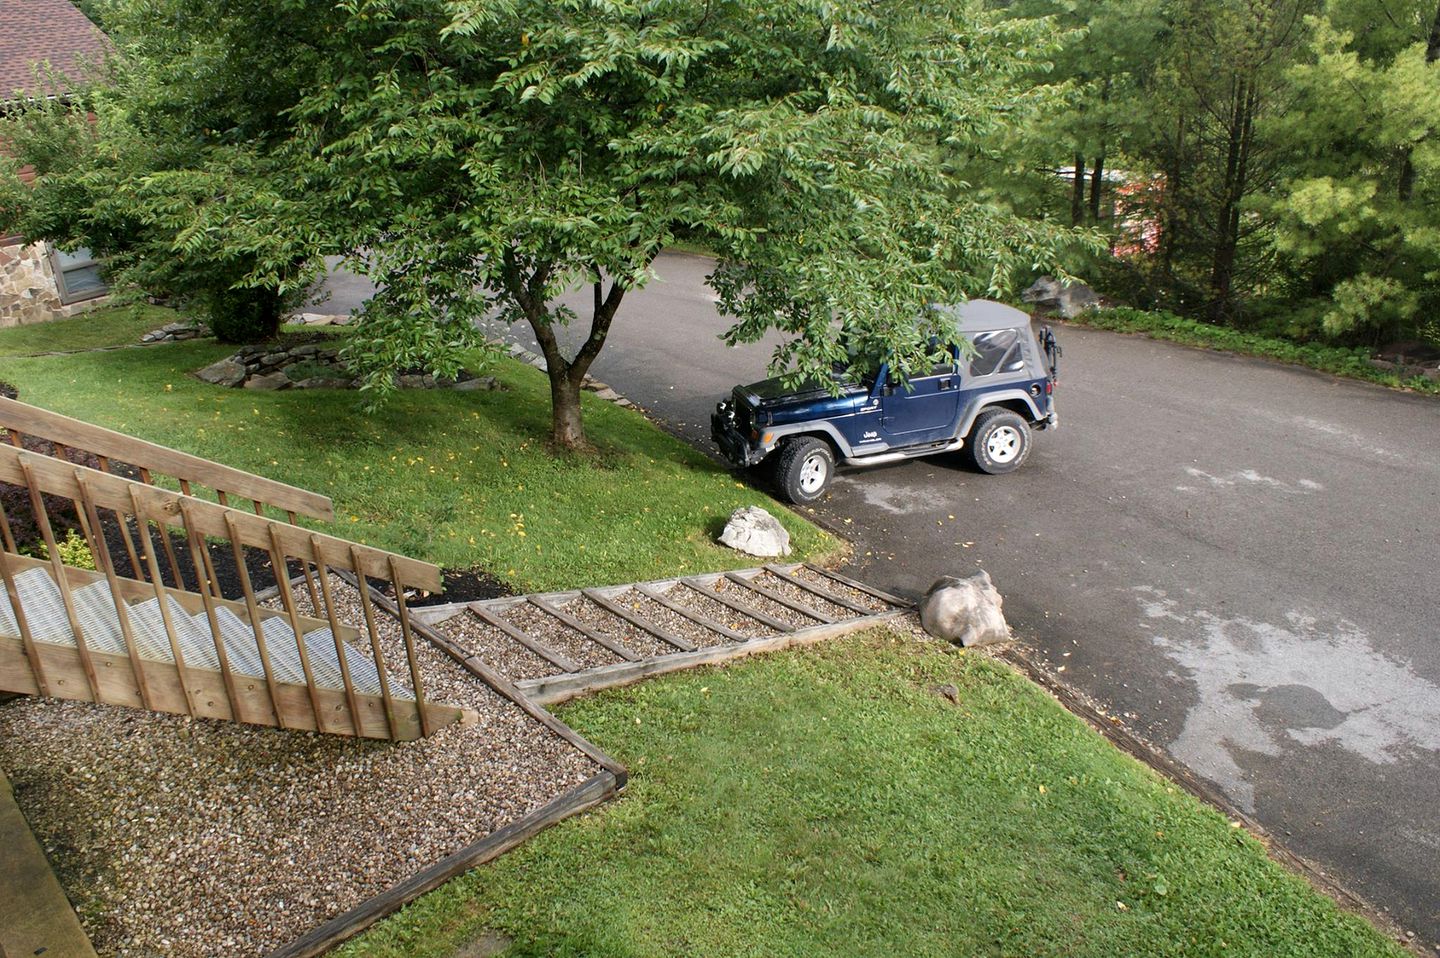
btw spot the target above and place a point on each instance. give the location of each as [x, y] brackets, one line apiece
[1008, 398]
[822, 429]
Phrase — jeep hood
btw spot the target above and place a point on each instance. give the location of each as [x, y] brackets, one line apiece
[768, 393]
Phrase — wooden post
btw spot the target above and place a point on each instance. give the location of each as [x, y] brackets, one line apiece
[62, 581]
[323, 573]
[122, 609]
[282, 579]
[363, 587]
[22, 624]
[253, 609]
[404, 616]
[203, 573]
[162, 598]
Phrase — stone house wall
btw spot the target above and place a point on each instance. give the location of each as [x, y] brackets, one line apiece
[27, 288]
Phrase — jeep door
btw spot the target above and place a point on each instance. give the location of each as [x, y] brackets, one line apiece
[923, 413]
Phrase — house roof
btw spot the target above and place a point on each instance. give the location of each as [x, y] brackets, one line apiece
[44, 31]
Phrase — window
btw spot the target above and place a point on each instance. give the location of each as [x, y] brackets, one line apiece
[77, 275]
[1002, 351]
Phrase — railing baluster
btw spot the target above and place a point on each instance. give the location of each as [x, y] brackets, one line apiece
[6, 533]
[253, 608]
[22, 624]
[164, 538]
[200, 558]
[404, 611]
[162, 599]
[62, 580]
[125, 532]
[374, 633]
[122, 608]
[282, 579]
[323, 573]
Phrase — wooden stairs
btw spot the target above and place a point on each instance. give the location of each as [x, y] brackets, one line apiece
[150, 627]
[553, 646]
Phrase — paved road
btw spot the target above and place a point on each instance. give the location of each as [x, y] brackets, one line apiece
[1238, 558]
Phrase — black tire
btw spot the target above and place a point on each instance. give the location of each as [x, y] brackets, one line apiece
[803, 469]
[999, 442]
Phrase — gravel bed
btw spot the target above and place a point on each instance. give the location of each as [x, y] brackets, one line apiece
[672, 622]
[718, 612]
[191, 838]
[794, 593]
[769, 606]
[498, 650]
[545, 628]
[631, 636]
[839, 588]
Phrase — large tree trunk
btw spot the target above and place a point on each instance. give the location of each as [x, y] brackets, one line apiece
[1227, 239]
[567, 425]
[1407, 165]
[1097, 183]
[1077, 192]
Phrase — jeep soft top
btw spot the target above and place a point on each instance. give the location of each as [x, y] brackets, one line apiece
[984, 401]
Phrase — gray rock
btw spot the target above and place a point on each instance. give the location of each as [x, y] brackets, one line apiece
[756, 532]
[410, 382]
[608, 394]
[227, 372]
[1069, 301]
[322, 382]
[272, 381]
[273, 359]
[479, 384]
[966, 611]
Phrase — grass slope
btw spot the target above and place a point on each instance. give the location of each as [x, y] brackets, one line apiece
[460, 479]
[105, 326]
[829, 803]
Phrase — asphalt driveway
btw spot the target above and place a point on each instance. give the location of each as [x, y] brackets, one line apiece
[1238, 559]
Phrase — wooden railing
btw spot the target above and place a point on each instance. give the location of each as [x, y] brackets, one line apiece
[133, 633]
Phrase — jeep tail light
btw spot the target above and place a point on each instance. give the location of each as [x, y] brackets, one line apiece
[1049, 386]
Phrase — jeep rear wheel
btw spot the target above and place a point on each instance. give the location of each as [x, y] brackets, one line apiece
[999, 441]
[804, 468]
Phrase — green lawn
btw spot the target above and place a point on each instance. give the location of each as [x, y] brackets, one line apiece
[460, 479]
[105, 326]
[827, 802]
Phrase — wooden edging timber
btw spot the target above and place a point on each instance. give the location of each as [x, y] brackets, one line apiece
[594, 790]
[550, 690]
[477, 667]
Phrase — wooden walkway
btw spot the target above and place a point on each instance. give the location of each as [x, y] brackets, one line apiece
[556, 645]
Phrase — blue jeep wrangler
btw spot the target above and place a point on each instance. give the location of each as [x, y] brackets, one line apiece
[985, 405]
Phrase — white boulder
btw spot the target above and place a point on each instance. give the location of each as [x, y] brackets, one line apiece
[966, 611]
[754, 531]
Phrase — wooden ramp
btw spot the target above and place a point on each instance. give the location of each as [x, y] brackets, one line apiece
[151, 626]
[554, 646]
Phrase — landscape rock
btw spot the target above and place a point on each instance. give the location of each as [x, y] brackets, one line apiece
[321, 382]
[478, 384]
[966, 611]
[270, 381]
[227, 372]
[756, 532]
[1069, 301]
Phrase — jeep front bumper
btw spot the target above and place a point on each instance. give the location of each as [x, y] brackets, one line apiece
[739, 448]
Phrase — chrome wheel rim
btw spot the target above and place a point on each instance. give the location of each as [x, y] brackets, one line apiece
[1003, 445]
[812, 473]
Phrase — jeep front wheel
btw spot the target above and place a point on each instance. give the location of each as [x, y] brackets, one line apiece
[804, 468]
[999, 441]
